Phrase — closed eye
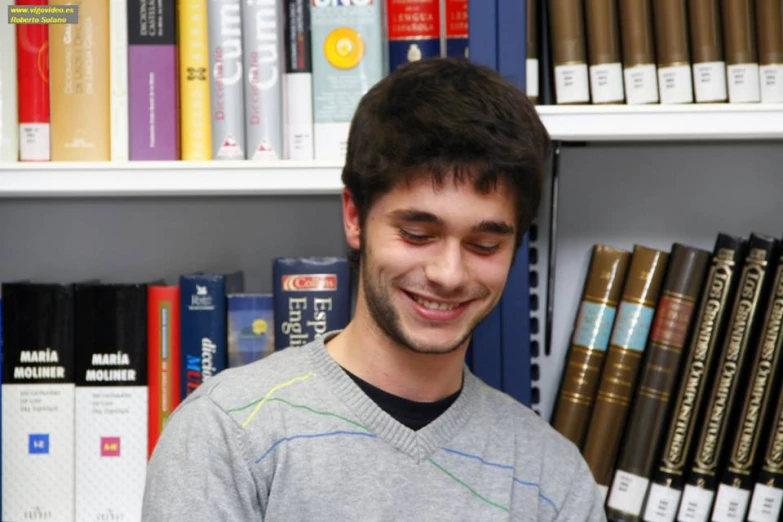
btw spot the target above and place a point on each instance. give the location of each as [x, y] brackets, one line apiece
[414, 238]
[485, 249]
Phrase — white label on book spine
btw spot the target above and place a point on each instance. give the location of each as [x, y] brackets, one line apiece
[744, 83]
[675, 84]
[771, 77]
[709, 82]
[606, 83]
[641, 84]
[331, 141]
[571, 83]
[34, 141]
[531, 77]
[730, 504]
[662, 504]
[628, 491]
[299, 115]
[696, 504]
[766, 503]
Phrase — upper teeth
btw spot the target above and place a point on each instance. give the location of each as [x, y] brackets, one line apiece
[435, 306]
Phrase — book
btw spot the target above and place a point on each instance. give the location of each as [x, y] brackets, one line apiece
[769, 23]
[118, 79]
[742, 61]
[482, 32]
[531, 62]
[251, 328]
[457, 28]
[590, 336]
[697, 368]
[673, 51]
[569, 51]
[32, 48]
[657, 378]
[767, 499]
[640, 72]
[708, 63]
[153, 92]
[298, 81]
[604, 53]
[413, 30]
[512, 41]
[262, 32]
[9, 119]
[194, 80]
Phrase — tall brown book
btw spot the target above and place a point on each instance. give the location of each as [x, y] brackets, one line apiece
[531, 71]
[80, 91]
[709, 65]
[742, 62]
[638, 44]
[569, 51]
[626, 347]
[646, 422]
[736, 483]
[769, 20]
[589, 341]
[746, 316]
[605, 57]
[673, 51]
[664, 494]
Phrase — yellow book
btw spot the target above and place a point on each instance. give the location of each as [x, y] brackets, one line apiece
[196, 138]
[79, 83]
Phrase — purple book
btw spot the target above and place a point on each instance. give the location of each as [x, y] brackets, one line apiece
[152, 80]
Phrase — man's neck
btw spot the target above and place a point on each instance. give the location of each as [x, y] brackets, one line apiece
[373, 357]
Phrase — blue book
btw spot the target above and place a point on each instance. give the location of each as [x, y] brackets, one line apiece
[515, 321]
[486, 349]
[312, 296]
[203, 329]
[251, 330]
[413, 31]
[512, 41]
[482, 32]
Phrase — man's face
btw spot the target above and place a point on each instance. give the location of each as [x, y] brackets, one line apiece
[435, 261]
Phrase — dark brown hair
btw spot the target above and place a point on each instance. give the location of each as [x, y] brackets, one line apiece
[442, 117]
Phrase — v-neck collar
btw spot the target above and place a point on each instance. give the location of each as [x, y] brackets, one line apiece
[419, 445]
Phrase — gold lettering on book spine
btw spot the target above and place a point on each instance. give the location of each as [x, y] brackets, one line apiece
[707, 454]
[714, 300]
[744, 450]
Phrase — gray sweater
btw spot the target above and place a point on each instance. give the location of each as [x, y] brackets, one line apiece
[293, 438]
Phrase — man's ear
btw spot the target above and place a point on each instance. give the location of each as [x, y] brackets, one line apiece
[351, 221]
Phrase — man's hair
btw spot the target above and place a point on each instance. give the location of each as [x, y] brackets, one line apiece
[441, 118]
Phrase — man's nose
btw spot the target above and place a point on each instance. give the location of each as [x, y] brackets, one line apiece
[447, 270]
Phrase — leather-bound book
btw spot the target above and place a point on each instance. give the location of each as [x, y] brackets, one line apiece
[531, 76]
[589, 341]
[657, 378]
[708, 326]
[623, 360]
[769, 20]
[638, 44]
[746, 315]
[742, 62]
[603, 44]
[569, 50]
[709, 64]
[673, 51]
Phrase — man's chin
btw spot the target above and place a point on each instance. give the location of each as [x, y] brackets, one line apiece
[424, 345]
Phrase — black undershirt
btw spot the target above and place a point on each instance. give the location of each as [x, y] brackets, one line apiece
[415, 415]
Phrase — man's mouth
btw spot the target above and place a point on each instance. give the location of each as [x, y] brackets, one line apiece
[437, 309]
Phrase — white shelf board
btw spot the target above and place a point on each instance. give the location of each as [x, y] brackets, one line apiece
[690, 122]
[169, 178]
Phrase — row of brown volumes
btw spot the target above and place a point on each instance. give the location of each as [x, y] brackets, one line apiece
[675, 411]
[667, 51]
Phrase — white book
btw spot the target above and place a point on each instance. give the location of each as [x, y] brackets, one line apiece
[298, 81]
[9, 115]
[118, 78]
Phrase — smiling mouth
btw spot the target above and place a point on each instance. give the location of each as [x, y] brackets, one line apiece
[435, 305]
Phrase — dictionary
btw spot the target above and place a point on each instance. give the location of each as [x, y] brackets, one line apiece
[38, 402]
[111, 402]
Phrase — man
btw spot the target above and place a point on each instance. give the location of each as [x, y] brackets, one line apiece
[382, 420]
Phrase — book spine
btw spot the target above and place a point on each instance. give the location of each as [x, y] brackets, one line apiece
[605, 58]
[742, 62]
[312, 296]
[646, 422]
[38, 402]
[457, 28]
[767, 500]
[531, 62]
[673, 54]
[118, 79]
[203, 350]
[32, 48]
[512, 41]
[152, 72]
[569, 51]
[699, 492]
[163, 358]
[298, 98]
[342, 74]
[709, 66]
[716, 298]
[224, 34]
[589, 340]
[482, 32]
[637, 40]
[9, 116]
[413, 31]
[626, 347]
[80, 86]
[769, 19]
[111, 400]
[263, 59]
[736, 484]
[194, 89]
[250, 328]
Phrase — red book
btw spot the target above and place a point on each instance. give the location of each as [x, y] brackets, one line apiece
[32, 59]
[457, 28]
[163, 357]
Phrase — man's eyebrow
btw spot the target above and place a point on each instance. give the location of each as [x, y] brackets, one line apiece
[420, 216]
[494, 227]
